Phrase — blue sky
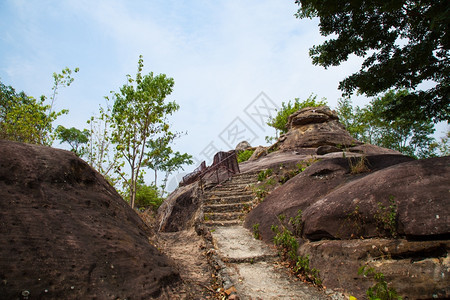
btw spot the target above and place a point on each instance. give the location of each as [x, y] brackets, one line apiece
[227, 59]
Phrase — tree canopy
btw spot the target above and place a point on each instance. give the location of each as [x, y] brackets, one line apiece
[74, 137]
[139, 114]
[26, 119]
[410, 136]
[404, 43]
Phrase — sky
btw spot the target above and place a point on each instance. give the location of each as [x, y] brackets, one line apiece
[233, 62]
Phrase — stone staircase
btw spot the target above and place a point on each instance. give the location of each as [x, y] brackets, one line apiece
[225, 203]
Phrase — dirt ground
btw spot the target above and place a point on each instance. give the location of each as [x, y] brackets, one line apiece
[189, 252]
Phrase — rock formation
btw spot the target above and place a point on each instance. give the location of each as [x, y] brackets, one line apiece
[242, 146]
[313, 127]
[65, 233]
[361, 205]
[391, 215]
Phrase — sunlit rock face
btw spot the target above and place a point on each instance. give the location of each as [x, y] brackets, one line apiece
[313, 127]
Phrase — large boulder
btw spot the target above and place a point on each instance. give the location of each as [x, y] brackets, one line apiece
[392, 215]
[65, 233]
[313, 127]
[181, 209]
[416, 269]
[242, 146]
[313, 186]
[413, 196]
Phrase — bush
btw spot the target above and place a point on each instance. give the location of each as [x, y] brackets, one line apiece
[381, 290]
[264, 174]
[244, 155]
[148, 196]
[279, 122]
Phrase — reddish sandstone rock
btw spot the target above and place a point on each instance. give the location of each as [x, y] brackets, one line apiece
[65, 233]
[313, 127]
[417, 192]
[341, 222]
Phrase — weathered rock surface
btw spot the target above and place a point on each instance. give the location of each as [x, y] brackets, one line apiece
[418, 189]
[313, 127]
[416, 269]
[242, 146]
[260, 151]
[361, 205]
[339, 207]
[65, 233]
[309, 187]
[180, 210]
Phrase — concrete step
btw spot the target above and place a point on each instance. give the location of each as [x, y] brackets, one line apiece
[223, 216]
[226, 193]
[226, 223]
[231, 189]
[229, 207]
[213, 199]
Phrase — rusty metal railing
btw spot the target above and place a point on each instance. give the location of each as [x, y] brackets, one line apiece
[224, 160]
[194, 175]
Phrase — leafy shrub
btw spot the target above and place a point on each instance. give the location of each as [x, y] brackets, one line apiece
[286, 241]
[289, 245]
[380, 291]
[244, 155]
[302, 267]
[263, 174]
[297, 223]
[148, 196]
[386, 218]
[256, 232]
[279, 122]
[355, 220]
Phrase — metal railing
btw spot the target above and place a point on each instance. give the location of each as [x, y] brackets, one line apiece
[224, 160]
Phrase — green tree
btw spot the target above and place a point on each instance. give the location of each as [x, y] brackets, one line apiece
[74, 137]
[139, 114]
[279, 122]
[443, 146]
[101, 154]
[61, 80]
[403, 43]
[161, 157]
[370, 125]
[26, 119]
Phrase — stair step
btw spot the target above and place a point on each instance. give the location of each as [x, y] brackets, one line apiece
[229, 207]
[225, 193]
[231, 189]
[228, 199]
[214, 223]
[223, 216]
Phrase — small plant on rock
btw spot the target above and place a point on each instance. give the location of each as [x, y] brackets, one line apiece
[356, 220]
[260, 192]
[359, 166]
[380, 291]
[263, 174]
[302, 267]
[386, 218]
[297, 223]
[286, 241]
[256, 232]
[288, 245]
